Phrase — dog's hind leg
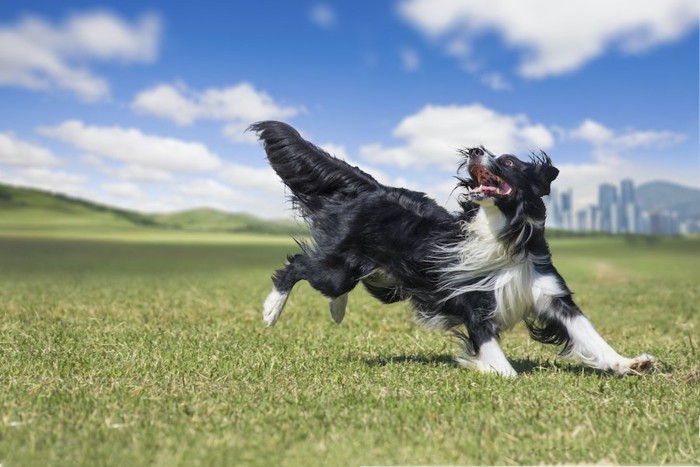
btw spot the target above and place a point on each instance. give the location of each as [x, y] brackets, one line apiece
[332, 276]
[283, 281]
[338, 306]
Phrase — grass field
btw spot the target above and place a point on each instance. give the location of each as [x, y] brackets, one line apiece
[154, 352]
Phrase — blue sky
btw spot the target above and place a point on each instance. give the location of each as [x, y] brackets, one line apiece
[142, 104]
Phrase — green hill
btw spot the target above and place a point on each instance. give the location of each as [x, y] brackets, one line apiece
[213, 220]
[32, 210]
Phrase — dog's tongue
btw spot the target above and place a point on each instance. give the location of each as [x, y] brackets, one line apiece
[504, 188]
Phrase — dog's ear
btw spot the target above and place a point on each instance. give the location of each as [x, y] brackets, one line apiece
[544, 176]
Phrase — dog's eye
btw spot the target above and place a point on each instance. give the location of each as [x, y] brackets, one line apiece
[509, 162]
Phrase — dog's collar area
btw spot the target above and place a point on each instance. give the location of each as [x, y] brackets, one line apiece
[488, 183]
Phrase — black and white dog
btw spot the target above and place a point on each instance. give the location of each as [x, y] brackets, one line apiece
[487, 267]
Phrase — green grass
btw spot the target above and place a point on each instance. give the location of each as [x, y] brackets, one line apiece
[152, 350]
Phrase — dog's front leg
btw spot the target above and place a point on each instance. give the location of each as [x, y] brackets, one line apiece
[481, 349]
[560, 321]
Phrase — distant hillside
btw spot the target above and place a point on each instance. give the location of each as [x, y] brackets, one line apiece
[668, 196]
[31, 209]
[212, 220]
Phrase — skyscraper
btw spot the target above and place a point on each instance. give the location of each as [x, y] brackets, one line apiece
[628, 207]
[607, 203]
[567, 215]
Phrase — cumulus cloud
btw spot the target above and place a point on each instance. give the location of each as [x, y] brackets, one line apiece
[554, 37]
[134, 147]
[608, 143]
[239, 105]
[433, 134]
[15, 151]
[36, 54]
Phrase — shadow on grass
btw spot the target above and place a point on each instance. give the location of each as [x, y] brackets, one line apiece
[522, 366]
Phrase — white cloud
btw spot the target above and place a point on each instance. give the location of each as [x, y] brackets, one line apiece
[45, 178]
[15, 151]
[35, 54]
[240, 105]
[323, 16]
[141, 174]
[607, 143]
[555, 37]
[212, 193]
[434, 133]
[495, 81]
[132, 146]
[410, 59]
[593, 132]
[123, 190]
[166, 101]
[243, 176]
[649, 138]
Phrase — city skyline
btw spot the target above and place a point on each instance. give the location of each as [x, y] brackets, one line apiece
[617, 211]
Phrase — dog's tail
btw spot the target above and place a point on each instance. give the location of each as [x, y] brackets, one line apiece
[313, 176]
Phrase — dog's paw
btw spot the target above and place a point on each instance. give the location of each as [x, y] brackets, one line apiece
[642, 364]
[272, 308]
[634, 366]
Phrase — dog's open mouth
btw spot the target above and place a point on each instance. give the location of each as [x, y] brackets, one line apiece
[488, 183]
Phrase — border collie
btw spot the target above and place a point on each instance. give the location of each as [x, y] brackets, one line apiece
[485, 268]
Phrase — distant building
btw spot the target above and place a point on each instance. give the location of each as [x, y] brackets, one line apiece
[629, 212]
[617, 212]
[585, 220]
[566, 207]
[607, 203]
[661, 223]
[553, 206]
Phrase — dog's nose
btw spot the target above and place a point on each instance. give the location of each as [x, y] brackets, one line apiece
[475, 153]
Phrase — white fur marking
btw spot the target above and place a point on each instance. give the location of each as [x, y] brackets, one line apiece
[544, 288]
[588, 347]
[484, 257]
[490, 360]
[272, 308]
[337, 307]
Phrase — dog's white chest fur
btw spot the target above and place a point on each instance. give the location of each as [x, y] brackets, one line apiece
[513, 292]
[484, 257]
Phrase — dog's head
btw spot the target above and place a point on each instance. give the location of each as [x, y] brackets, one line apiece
[507, 182]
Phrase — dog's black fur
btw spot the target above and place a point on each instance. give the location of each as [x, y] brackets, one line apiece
[402, 245]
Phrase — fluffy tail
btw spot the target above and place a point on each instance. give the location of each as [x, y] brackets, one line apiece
[313, 176]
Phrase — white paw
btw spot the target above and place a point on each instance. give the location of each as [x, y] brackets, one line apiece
[642, 364]
[508, 371]
[635, 366]
[490, 359]
[272, 308]
[337, 307]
